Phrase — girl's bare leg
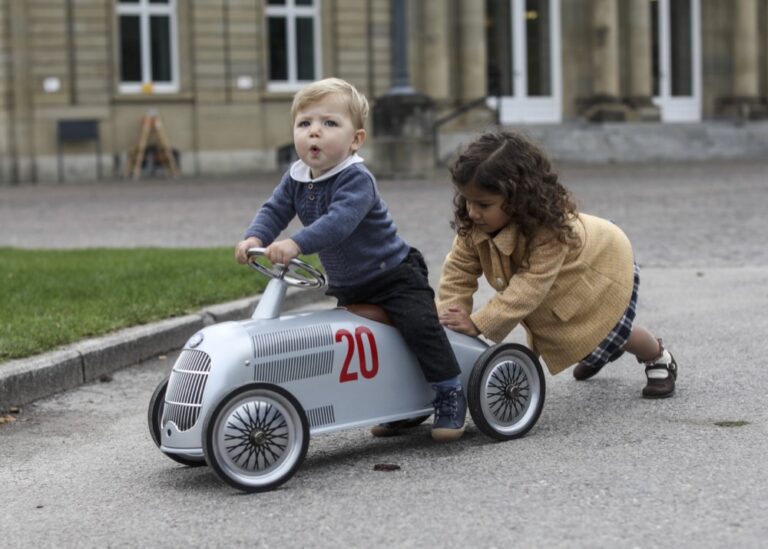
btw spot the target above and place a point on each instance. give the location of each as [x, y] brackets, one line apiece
[643, 344]
[660, 365]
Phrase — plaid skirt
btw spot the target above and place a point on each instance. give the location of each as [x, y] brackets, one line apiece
[612, 346]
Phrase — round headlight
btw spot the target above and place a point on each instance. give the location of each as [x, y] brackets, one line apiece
[195, 340]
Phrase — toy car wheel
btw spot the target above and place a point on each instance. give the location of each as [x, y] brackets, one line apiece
[155, 417]
[506, 391]
[256, 437]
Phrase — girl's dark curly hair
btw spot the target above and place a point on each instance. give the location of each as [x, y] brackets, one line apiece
[508, 164]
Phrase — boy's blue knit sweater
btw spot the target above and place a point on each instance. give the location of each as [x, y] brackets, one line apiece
[345, 221]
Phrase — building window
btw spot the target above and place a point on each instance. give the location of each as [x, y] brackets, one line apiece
[148, 46]
[293, 31]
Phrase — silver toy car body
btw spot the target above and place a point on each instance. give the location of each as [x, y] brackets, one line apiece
[246, 396]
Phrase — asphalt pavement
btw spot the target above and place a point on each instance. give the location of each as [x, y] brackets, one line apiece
[602, 468]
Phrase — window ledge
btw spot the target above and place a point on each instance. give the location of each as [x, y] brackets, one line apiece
[278, 95]
[153, 97]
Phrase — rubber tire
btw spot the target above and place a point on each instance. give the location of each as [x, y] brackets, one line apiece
[155, 415]
[298, 437]
[482, 415]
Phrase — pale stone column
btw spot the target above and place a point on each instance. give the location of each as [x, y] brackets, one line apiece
[605, 56]
[22, 130]
[640, 49]
[640, 62]
[745, 49]
[473, 60]
[605, 103]
[5, 99]
[434, 46]
[744, 102]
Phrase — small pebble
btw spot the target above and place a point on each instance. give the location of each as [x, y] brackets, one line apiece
[386, 467]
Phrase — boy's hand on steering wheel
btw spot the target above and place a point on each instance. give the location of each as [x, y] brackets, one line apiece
[243, 246]
[458, 321]
[282, 251]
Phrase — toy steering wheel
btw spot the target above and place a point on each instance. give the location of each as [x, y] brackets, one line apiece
[297, 273]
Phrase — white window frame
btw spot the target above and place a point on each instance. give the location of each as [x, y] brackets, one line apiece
[679, 108]
[144, 9]
[291, 12]
[521, 107]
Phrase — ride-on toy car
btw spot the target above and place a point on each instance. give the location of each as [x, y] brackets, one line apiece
[245, 396]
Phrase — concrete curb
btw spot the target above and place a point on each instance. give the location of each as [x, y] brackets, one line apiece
[25, 380]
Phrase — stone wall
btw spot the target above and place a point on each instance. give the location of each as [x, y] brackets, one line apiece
[223, 118]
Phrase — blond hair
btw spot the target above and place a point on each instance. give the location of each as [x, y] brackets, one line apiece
[356, 101]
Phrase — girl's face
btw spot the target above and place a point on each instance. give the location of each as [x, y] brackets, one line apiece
[485, 209]
[324, 135]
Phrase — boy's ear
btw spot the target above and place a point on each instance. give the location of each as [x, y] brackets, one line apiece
[359, 139]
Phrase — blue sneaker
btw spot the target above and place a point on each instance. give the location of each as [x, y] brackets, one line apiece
[450, 411]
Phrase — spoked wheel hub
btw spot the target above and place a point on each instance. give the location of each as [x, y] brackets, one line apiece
[511, 392]
[506, 391]
[256, 437]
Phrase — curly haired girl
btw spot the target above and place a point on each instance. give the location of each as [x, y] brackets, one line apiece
[569, 278]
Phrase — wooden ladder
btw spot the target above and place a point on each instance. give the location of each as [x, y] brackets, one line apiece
[151, 122]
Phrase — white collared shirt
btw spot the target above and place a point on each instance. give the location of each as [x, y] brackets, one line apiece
[301, 172]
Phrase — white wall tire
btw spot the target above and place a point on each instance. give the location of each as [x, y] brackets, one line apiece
[256, 438]
[506, 391]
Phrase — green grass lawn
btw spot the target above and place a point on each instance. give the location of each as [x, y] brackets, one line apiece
[53, 297]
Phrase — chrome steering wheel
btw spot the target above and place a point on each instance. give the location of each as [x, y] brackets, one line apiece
[297, 273]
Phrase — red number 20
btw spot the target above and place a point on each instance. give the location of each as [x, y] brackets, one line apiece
[357, 341]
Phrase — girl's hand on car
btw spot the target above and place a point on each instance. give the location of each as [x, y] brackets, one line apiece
[458, 321]
[243, 246]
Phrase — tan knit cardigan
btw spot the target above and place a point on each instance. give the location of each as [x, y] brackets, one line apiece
[567, 299]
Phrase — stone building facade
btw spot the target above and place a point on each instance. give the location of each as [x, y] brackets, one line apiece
[221, 73]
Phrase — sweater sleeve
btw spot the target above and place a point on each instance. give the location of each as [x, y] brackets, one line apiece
[458, 281]
[274, 215]
[524, 293]
[352, 198]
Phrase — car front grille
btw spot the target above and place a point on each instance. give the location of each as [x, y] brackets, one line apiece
[186, 386]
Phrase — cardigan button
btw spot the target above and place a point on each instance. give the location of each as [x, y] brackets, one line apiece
[311, 197]
[310, 186]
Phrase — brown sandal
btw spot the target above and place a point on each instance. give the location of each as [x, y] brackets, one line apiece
[660, 387]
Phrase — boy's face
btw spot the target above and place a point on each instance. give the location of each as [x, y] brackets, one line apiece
[485, 209]
[324, 135]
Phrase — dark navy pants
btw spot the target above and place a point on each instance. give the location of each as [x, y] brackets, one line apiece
[405, 294]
